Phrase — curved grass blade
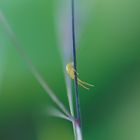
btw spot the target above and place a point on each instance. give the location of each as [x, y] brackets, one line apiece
[32, 68]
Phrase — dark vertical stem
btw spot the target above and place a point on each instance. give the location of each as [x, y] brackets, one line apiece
[74, 60]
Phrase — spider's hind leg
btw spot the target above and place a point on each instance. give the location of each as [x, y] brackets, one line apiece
[83, 86]
[85, 83]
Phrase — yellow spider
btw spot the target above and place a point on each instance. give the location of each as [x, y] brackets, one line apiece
[70, 71]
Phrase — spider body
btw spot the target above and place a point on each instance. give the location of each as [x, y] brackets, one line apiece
[70, 71]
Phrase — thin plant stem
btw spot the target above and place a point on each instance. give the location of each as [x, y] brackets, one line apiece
[78, 113]
[70, 100]
[77, 122]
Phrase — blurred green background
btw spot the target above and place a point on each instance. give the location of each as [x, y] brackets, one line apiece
[108, 56]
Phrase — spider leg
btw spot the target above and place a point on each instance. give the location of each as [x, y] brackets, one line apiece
[83, 86]
[85, 83]
[75, 71]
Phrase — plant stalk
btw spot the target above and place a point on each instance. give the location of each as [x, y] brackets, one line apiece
[78, 113]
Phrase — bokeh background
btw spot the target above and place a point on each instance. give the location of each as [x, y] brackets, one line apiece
[108, 56]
